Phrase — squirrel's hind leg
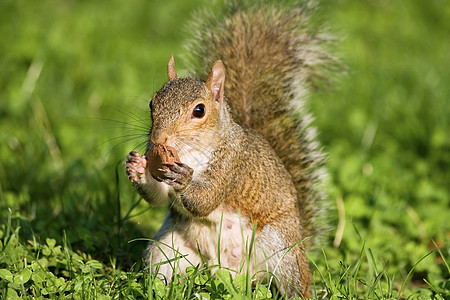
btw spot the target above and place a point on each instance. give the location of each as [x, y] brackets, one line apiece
[287, 262]
[170, 252]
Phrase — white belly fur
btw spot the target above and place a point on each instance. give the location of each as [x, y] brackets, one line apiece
[189, 235]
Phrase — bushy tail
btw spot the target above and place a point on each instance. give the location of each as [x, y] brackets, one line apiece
[271, 59]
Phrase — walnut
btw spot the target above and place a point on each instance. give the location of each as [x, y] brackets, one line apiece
[159, 155]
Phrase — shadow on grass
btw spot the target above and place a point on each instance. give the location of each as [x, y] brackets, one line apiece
[81, 209]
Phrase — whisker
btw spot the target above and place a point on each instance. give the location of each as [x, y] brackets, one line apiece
[125, 141]
[141, 145]
[134, 117]
[129, 136]
[127, 125]
[136, 128]
[182, 145]
[196, 146]
[139, 119]
[199, 136]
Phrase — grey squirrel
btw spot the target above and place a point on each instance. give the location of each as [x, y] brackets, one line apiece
[236, 152]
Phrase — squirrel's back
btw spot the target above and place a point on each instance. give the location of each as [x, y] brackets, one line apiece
[271, 58]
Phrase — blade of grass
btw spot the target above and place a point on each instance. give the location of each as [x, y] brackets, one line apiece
[411, 271]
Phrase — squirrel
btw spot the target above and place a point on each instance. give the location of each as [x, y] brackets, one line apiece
[248, 162]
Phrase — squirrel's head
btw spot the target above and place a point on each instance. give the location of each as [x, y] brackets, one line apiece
[186, 111]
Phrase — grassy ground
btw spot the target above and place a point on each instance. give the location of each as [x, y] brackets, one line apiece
[75, 81]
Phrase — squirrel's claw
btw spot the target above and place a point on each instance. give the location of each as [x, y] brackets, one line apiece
[135, 166]
[179, 167]
[176, 175]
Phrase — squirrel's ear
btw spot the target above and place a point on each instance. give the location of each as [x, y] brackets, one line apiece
[171, 73]
[216, 80]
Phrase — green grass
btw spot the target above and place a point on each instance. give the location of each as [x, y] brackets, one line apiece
[75, 81]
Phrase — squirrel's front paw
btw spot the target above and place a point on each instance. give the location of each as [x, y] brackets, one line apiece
[135, 166]
[177, 175]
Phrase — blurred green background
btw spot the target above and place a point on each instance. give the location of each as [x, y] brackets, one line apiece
[76, 78]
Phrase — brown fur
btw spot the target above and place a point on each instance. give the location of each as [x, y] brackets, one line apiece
[271, 60]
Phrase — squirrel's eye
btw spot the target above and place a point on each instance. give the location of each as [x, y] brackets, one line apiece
[199, 111]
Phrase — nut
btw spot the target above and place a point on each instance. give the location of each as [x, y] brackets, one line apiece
[160, 155]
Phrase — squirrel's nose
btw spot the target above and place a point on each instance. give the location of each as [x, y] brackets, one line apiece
[159, 137]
